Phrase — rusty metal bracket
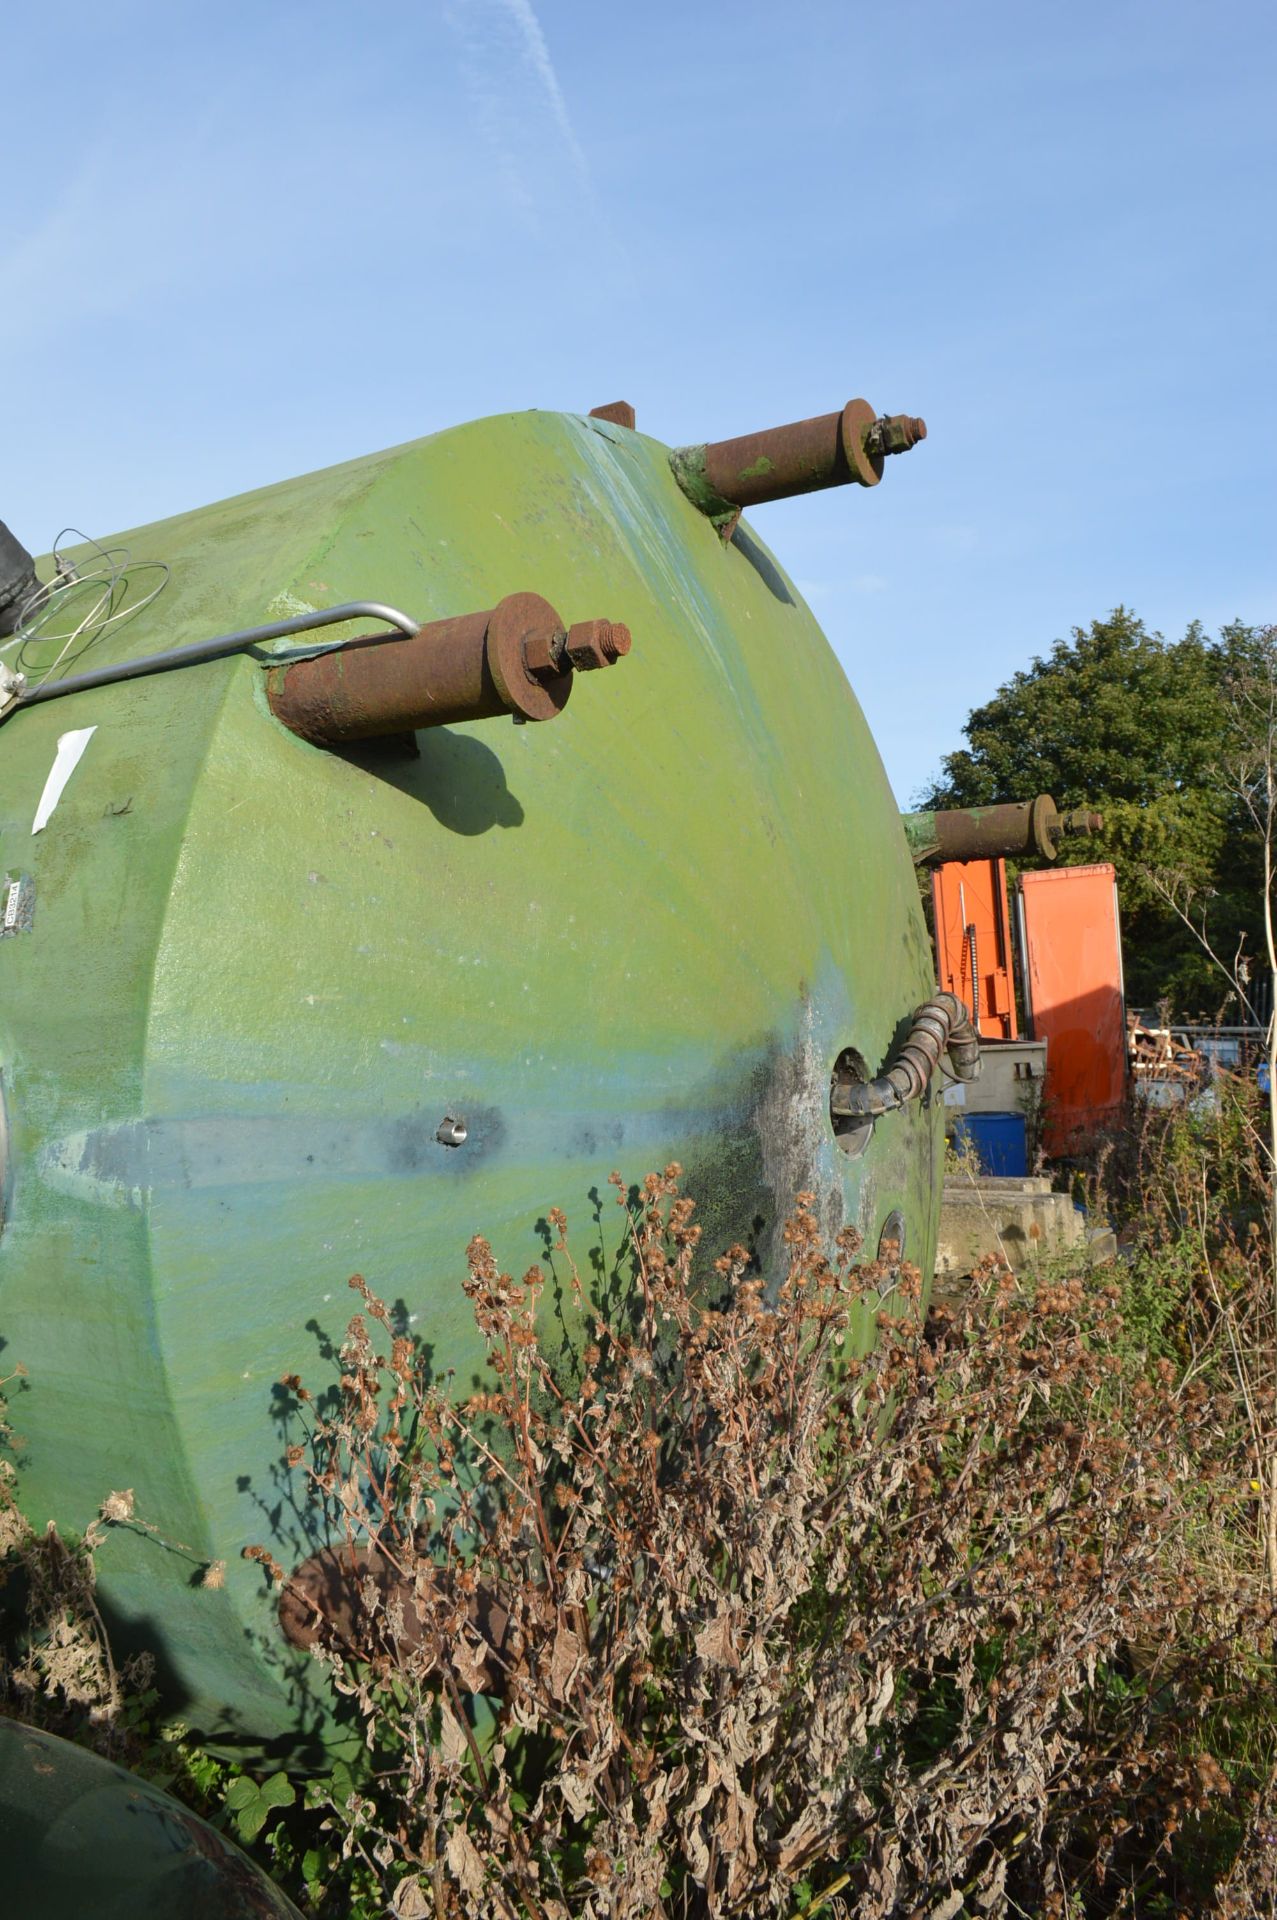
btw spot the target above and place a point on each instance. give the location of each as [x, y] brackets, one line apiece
[619, 412]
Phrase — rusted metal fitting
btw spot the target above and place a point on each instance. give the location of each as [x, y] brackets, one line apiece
[896, 433]
[1080, 820]
[987, 833]
[596, 643]
[513, 658]
[832, 450]
[619, 412]
[585, 646]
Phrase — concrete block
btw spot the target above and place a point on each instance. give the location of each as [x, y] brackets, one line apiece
[1022, 1221]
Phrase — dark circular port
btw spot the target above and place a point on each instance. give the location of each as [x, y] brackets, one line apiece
[853, 1132]
[891, 1241]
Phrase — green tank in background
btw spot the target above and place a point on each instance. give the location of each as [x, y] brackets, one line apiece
[316, 964]
[84, 1838]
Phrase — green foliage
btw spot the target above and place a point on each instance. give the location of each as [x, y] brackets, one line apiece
[1138, 727]
[250, 1803]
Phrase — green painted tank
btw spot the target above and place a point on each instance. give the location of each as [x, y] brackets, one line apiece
[83, 1837]
[273, 1011]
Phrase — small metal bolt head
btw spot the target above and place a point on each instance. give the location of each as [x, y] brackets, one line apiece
[596, 643]
[543, 654]
[452, 1131]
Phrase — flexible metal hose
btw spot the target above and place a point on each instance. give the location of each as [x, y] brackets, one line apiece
[941, 1025]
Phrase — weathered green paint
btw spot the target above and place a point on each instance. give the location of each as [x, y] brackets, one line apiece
[688, 467]
[259, 975]
[922, 835]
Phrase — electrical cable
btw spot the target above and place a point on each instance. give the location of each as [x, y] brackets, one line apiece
[107, 586]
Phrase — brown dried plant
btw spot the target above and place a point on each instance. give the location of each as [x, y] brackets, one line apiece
[57, 1669]
[736, 1616]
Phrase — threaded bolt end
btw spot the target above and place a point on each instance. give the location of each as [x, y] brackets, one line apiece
[596, 643]
[614, 639]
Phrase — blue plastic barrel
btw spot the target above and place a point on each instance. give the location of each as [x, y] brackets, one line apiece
[1000, 1142]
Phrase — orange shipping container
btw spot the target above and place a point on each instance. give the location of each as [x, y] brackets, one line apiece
[973, 941]
[1071, 946]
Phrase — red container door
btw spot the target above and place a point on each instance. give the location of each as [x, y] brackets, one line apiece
[973, 941]
[1072, 953]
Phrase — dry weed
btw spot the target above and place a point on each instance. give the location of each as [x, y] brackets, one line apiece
[753, 1612]
[58, 1670]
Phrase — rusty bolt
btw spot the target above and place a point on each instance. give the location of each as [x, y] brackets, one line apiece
[1081, 820]
[543, 653]
[596, 643]
[896, 433]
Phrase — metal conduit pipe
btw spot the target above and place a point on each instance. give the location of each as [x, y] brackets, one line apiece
[218, 647]
[941, 1025]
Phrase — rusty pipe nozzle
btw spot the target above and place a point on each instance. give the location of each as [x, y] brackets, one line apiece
[1012, 828]
[514, 658]
[832, 450]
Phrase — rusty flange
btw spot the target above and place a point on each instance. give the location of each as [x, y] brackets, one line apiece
[517, 624]
[515, 658]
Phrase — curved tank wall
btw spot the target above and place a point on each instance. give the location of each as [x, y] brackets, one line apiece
[258, 974]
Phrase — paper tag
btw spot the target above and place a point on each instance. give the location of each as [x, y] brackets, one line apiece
[65, 761]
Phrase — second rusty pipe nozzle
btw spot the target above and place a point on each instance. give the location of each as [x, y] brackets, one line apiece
[830, 451]
[516, 658]
[1010, 829]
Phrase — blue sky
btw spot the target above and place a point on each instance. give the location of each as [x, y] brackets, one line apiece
[243, 241]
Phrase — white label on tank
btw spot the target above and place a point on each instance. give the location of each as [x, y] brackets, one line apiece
[12, 896]
[955, 1096]
[65, 761]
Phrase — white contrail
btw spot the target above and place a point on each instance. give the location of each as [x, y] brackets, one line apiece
[522, 13]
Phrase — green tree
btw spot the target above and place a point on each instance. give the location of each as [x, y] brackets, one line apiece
[1137, 727]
